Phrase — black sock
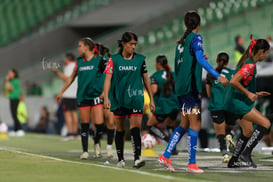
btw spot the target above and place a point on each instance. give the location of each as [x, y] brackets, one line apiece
[158, 133]
[230, 132]
[84, 136]
[119, 140]
[240, 146]
[222, 143]
[98, 133]
[110, 136]
[203, 137]
[254, 139]
[136, 142]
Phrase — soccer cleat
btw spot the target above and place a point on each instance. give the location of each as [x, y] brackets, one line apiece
[20, 133]
[166, 163]
[233, 162]
[121, 163]
[109, 151]
[247, 161]
[139, 163]
[84, 156]
[194, 169]
[97, 151]
[230, 143]
[225, 158]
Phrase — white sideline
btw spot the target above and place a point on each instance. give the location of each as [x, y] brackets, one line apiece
[90, 164]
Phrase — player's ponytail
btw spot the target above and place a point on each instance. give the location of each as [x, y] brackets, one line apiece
[125, 38]
[191, 21]
[168, 86]
[87, 41]
[222, 59]
[103, 51]
[253, 48]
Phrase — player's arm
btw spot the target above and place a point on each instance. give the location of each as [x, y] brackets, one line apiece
[199, 54]
[68, 82]
[154, 85]
[107, 83]
[7, 84]
[147, 85]
[208, 86]
[243, 74]
[60, 74]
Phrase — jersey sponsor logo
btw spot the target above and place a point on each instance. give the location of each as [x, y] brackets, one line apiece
[134, 92]
[127, 68]
[85, 68]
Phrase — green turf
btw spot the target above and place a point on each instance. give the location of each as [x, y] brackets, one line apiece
[20, 167]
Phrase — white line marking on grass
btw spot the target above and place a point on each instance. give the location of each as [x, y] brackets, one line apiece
[90, 164]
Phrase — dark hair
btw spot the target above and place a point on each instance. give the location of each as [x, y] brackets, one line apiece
[168, 86]
[16, 75]
[252, 50]
[222, 59]
[191, 21]
[236, 39]
[88, 42]
[46, 110]
[126, 37]
[103, 51]
[70, 56]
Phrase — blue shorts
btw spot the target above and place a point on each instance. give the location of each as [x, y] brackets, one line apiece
[189, 101]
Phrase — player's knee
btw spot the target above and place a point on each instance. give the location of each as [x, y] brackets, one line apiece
[267, 124]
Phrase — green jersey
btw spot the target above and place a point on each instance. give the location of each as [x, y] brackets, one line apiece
[16, 85]
[235, 101]
[187, 70]
[90, 80]
[217, 90]
[164, 105]
[126, 84]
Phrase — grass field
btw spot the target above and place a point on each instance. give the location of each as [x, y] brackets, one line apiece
[44, 158]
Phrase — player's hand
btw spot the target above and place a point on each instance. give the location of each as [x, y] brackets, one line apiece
[7, 78]
[252, 96]
[223, 80]
[54, 69]
[263, 94]
[152, 106]
[206, 56]
[58, 98]
[107, 103]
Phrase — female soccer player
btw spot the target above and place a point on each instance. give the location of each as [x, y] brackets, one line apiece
[240, 101]
[12, 84]
[88, 93]
[223, 121]
[108, 116]
[189, 60]
[166, 103]
[125, 74]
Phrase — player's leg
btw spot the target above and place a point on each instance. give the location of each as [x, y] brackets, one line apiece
[97, 119]
[109, 118]
[247, 128]
[75, 122]
[119, 119]
[218, 118]
[171, 125]
[156, 131]
[230, 119]
[85, 124]
[263, 123]
[193, 132]
[135, 124]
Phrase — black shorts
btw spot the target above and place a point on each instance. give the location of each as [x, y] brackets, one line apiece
[221, 116]
[69, 104]
[161, 117]
[123, 112]
[96, 102]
